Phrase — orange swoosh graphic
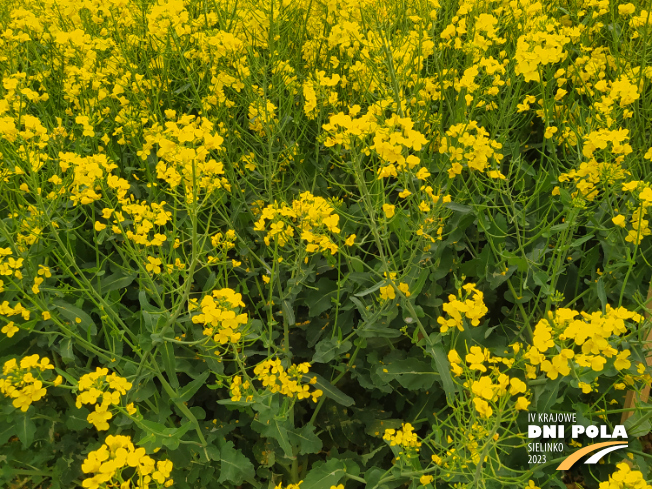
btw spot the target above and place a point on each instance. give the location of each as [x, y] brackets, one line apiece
[571, 459]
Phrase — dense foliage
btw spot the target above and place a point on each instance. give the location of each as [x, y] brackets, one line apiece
[321, 243]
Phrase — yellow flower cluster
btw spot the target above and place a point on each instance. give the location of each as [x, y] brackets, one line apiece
[237, 387]
[405, 437]
[466, 448]
[387, 292]
[313, 216]
[469, 143]
[10, 266]
[563, 330]
[392, 138]
[542, 45]
[288, 382]
[224, 242]
[262, 117]
[88, 173]
[108, 387]
[625, 478]
[167, 15]
[640, 226]
[117, 454]
[145, 218]
[219, 316]
[317, 90]
[592, 173]
[492, 386]
[289, 486]
[18, 381]
[6, 310]
[469, 304]
[184, 150]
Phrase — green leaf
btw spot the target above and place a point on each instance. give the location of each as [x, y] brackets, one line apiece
[65, 350]
[71, 313]
[271, 428]
[288, 313]
[371, 289]
[306, 440]
[377, 329]
[638, 425]
[581, 241]
[77, 419]
[169, 363]
[319, 300]
[443, 367]
[25, 429]
[377, 427]
[546, 395]
[411, 373]
[541, 278]
[558, 227]
[323, 475]
[157, 434]
[330, 390]
[454, 206]
[116, 281]
[189, 390]
[213, 452]
[330, 348]
[235, 467]
[361, 308]
[66, 375]
[602, 294]
[144, 389]
[7, 430]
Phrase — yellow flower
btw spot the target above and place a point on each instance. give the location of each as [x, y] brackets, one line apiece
[403, 287]
[626, 9]
[621, 362]
[387, 292]
[522, 404]
[349, 241]
[44, 271]
[389, 210]
[550, 130]
[99, 419]
[99, 226]
[619, 220]
[517, 386]
[37, 281]
[46, 315]
[483, 407]
[426, 479]
[10, 329]
[422, 174]
[154, 265]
